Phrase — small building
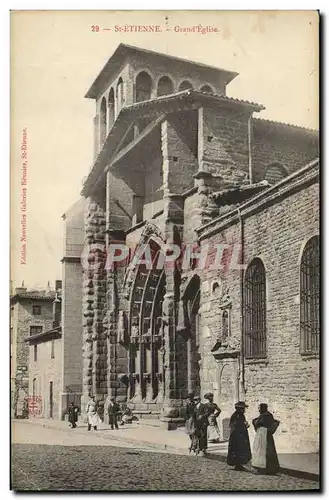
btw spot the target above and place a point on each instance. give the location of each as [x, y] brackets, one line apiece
[44, 370]
[30, 315]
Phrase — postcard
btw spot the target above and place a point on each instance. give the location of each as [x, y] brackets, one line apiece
[165, 251]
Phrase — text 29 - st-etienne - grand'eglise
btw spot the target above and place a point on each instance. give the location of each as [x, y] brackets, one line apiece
[178, 161]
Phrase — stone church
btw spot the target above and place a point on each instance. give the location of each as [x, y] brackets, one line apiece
[177, 161]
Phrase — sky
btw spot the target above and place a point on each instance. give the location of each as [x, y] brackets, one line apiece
[55, 56]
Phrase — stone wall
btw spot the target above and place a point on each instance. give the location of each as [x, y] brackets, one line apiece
[275, 232]
[72, 276]
[223, 144]
[292, 147]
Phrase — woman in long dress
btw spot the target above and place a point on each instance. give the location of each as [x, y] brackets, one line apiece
[239, 452]
[92, 415]
[213, 412]
[264, 455]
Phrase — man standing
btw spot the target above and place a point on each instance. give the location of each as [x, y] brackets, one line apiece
[73, 415]
[201, 424]
[113, 411]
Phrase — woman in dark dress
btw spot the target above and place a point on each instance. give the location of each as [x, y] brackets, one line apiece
[264, 456]
[239, 452]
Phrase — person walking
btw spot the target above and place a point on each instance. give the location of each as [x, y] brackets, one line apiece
[213, 413]
[73, 412]
[92, 414]
[113, 412]
[239, 452]
[264, 456]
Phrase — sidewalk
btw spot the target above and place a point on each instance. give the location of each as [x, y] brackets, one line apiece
[303, 465]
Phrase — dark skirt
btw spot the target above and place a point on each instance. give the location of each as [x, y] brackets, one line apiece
[239, 452]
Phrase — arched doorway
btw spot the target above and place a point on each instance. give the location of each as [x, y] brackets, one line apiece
[191, 304]
[146, 342]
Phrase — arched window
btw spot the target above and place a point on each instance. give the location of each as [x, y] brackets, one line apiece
[143, 86]
[274, 173]
[207, 89]
[255, 310]
[111, 106]
[103, 121]
[120, 95]
[165, 86]
[185, 85]
[310, 297]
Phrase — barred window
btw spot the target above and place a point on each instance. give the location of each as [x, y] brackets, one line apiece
[310, 297]
[254, 318]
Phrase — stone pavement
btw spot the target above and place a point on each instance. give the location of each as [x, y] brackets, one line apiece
[150, 436]
[37, 467]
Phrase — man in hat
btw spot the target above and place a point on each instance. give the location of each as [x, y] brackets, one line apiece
[239, 452]
[201, 424]
[113, 412]
[264, 456]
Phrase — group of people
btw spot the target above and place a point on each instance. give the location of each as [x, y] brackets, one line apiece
[202, 427]
[117, 415]
[201, 423]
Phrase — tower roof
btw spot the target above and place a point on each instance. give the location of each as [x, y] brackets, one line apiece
[123, 52]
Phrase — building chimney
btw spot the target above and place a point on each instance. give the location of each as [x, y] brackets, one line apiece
[57, 310]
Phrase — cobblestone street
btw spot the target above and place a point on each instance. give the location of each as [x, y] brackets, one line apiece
[76, 462]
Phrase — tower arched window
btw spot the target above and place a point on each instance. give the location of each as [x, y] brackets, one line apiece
[103, 121]
[206, 89]
[254, 317]
[185, 85]
[165, 86]
[310, 297]
[274, 173]
[120, 95]
[111, 108]
[143, 86]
